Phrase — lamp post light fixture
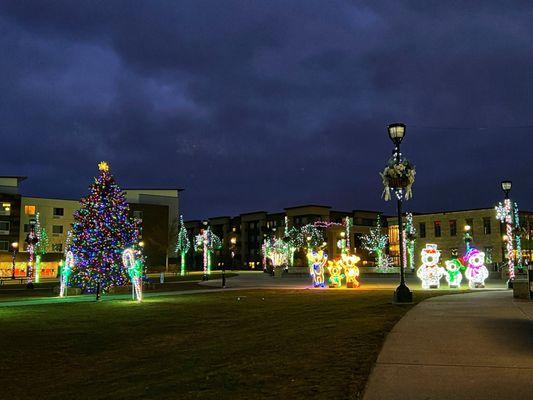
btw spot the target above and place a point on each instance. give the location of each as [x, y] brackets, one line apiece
[402, 294]
[14, 247]
[506, 187]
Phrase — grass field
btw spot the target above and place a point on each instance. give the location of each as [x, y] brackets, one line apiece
[269, 344]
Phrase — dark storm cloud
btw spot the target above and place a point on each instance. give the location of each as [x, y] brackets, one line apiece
[265, 104]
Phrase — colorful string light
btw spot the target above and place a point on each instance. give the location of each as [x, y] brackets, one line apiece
[102, 229]
[504, 213]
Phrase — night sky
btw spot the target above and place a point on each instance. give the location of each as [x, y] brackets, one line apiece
[261, 105]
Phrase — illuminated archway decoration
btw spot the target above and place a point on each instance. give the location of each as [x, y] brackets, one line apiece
[430, 273]
[317, 261]
[135, 271]
[68, 264]
[476, 272]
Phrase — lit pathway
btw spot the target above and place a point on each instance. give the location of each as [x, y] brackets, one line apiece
[467, 346]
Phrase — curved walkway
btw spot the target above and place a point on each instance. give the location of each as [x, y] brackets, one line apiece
[466, 346]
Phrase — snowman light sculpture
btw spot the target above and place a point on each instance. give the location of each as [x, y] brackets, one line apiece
[429, 272]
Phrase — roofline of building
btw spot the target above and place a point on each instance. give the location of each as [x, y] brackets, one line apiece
[49, 198]
[254, 212]
[167, 188]
[20, 178]
[453, 211]
[307, 205]
[370, 211]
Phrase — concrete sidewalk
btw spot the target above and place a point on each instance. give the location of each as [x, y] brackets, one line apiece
[466, 346]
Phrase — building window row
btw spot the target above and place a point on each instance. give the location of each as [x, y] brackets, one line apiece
[437, 227]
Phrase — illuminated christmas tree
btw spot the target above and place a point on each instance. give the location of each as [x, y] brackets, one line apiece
[182, 244]
[376, 242]
[102, 230]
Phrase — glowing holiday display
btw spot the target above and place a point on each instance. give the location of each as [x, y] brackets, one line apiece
[476, 272]
[134, 265]
[41, 247]
[376, 242]
[335, 269]
[182, 245]
[517, 235]
[453, 273]
[351, 271]
[207, 242]
[66, 271]
[294, 240]
[276, 251]
[410, 240]
[317, 261]
[102, 229]
[31, 240]
[311, 236]
[504, 214]
[430, 273]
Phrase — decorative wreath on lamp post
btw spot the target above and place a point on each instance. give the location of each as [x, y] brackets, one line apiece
[398, 174]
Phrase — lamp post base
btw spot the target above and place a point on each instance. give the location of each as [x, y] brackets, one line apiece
[402, 295]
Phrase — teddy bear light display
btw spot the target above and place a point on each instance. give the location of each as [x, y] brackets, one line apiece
[430, 273]
[317, 261]
[476, 272]
[336, 276]
[453, 273]
[351, 271]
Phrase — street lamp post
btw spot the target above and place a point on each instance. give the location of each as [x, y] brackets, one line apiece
[14, 247]
[402, 294]
[467, 237]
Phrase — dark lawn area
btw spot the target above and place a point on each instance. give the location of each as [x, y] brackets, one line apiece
[269, 344]
[10, 292]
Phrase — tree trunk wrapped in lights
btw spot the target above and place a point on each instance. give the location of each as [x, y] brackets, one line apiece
[182, 245]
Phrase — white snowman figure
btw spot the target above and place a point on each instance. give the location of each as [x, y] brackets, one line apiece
[476, 272]
[429, 272]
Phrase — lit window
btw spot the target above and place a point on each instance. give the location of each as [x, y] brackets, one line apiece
[29, 210]
[57, 247]
[5, 209]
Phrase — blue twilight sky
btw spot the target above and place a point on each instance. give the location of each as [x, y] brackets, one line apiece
[260, 105]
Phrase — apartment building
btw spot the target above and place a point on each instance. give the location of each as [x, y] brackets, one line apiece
[157, 209]
[446, 229]
[251, 229]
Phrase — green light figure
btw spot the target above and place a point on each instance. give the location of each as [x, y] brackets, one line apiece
[134, 266]
[66, 271]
